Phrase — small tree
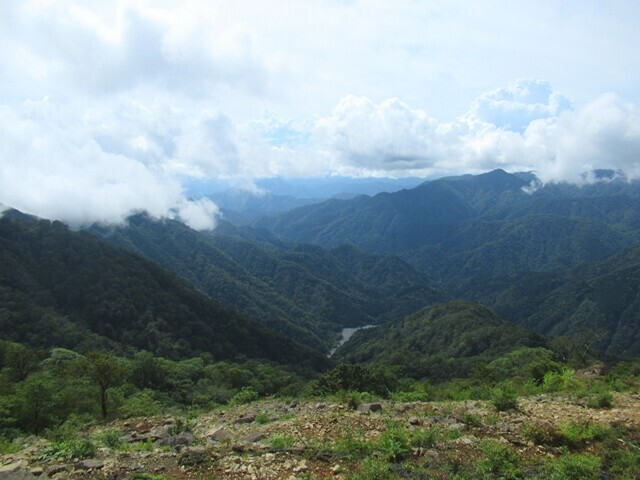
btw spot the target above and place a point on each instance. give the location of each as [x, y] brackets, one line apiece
[105, 371]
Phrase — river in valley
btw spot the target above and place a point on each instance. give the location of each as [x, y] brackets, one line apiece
[346, 335]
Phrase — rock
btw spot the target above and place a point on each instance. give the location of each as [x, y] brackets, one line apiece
[183, 438]
[37, 471]
[14, 467]
[336, 469]
[53, 469]
[253, 437]
[415, 421]
[221, 435]
[89, 464]
[301, 467]
[369, 407]
[18, 475]
[191, 456]
[293, 404]
[244, 419]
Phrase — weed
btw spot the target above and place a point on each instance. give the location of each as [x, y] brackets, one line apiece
[427, 437]
[374, 469]
[262, 418]
[573, 467]
[146, 446]
[68, 450]
[542, 433]
[576, 434]
[470, 419]
[7, 446]
[352, 446]
[498, 461]
[281, 441]
[109, 438]
[393, 444]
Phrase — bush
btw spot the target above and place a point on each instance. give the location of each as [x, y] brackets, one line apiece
[573, 467]
[140, 404]
[246, 395]
[601, 400]
[393, 444]
[498, 461]
[542, 433]
[504, 398]
[373, 469]
[576, 434]
[68, 450]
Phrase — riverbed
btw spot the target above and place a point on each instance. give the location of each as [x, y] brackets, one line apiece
[347, 333]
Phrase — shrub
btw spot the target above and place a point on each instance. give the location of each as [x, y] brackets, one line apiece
[504, 398]
[246, 395]
[140, 404]
[373, 469]
[68, 450]
[573, 467]
[576, 434]
[601, 400]
[393, 444]
[109, 438]
[352, 446]
[498, 461]
[7, 446]
[542, 433]
[427, 437]
[262, 418]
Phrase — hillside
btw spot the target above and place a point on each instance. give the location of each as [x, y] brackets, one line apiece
[468, 227]
[603, 296]
[307, 293]
[63, 288]
[439, 342]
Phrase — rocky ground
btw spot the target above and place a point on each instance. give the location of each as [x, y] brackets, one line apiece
[279, 440]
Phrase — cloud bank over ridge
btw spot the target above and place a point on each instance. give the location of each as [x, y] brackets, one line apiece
[108, 109]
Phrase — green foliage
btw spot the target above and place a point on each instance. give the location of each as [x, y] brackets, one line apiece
[542, 433]
[352, 445]
[246, 395]
[8, 446]
[554, 381]
[281, 441]
[504, 398]
[440, 342]
[88, 296]
[499, 461]
[147, 476]
[373, 469]
[573, 467]
[109, 437]
[426, 437]
[68, 450]
[359, 378]
[601, 400]
[394, 443]
[139, 404]
[262, 418]
[577, 434]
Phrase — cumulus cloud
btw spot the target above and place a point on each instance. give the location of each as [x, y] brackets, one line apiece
[59, 171]
[515, 106]
[524, 126]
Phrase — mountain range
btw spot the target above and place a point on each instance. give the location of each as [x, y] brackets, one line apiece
[555, 259]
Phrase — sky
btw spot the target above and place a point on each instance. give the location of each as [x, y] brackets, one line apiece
[109, 108]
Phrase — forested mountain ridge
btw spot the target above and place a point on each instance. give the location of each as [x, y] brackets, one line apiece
[455, 214]
[439, 342]
[305, 292]
[63, 288]
[602, 296]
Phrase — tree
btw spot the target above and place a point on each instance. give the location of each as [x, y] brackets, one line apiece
[105, 371]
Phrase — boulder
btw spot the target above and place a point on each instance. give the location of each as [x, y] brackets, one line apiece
[369, 407]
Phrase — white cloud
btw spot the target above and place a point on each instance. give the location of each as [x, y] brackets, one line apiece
[60, 172]
[558, 142]
[514, 107]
